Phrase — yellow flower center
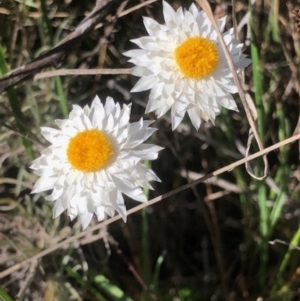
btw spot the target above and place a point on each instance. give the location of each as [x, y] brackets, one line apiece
[89, 151]
[197, 57]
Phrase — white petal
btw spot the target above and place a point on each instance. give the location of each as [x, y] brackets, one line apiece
[135, 52]
[151, 25]
[110, 211]
[122, 211]
[169, 13]
[177, 117]
[109, 105]
[145, 83]
[44, 184]
[228, 103]
[86, 219]
[147, 151]
[147, 43]
[138, 195]
[100, 213]
[58, 208]
[194, 115]
[57, 193]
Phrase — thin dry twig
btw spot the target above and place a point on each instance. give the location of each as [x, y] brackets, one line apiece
[132, 9]
[282, 242]
[16, 182]
[206, 7]
[76, 72]
[29, 278]
[226, 185]
[128, 11]
[69, 240]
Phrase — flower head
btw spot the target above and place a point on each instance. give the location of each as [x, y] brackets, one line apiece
[93, 158]
[184, 65]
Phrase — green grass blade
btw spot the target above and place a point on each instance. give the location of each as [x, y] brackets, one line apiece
[84, 283]
[273, 21]
[111, 290]
[159, 262]
[257, 81]
[4, 296]
[62, 96]
[264, 231]
[48, 39]
[287, 257]
[277, 208]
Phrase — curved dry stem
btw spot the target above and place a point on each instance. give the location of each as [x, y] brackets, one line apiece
[251, 119]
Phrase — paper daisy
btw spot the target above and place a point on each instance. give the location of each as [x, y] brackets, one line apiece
[184, 65]
[94, 158]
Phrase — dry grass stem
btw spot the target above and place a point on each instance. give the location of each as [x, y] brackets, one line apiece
[77, 72]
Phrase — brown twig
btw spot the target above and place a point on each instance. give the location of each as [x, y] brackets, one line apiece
[76, 72]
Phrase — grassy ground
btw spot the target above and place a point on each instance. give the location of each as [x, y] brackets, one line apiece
[230, 238]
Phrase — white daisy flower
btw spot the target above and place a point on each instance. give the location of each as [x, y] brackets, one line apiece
[184, 65]
[94, 157]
